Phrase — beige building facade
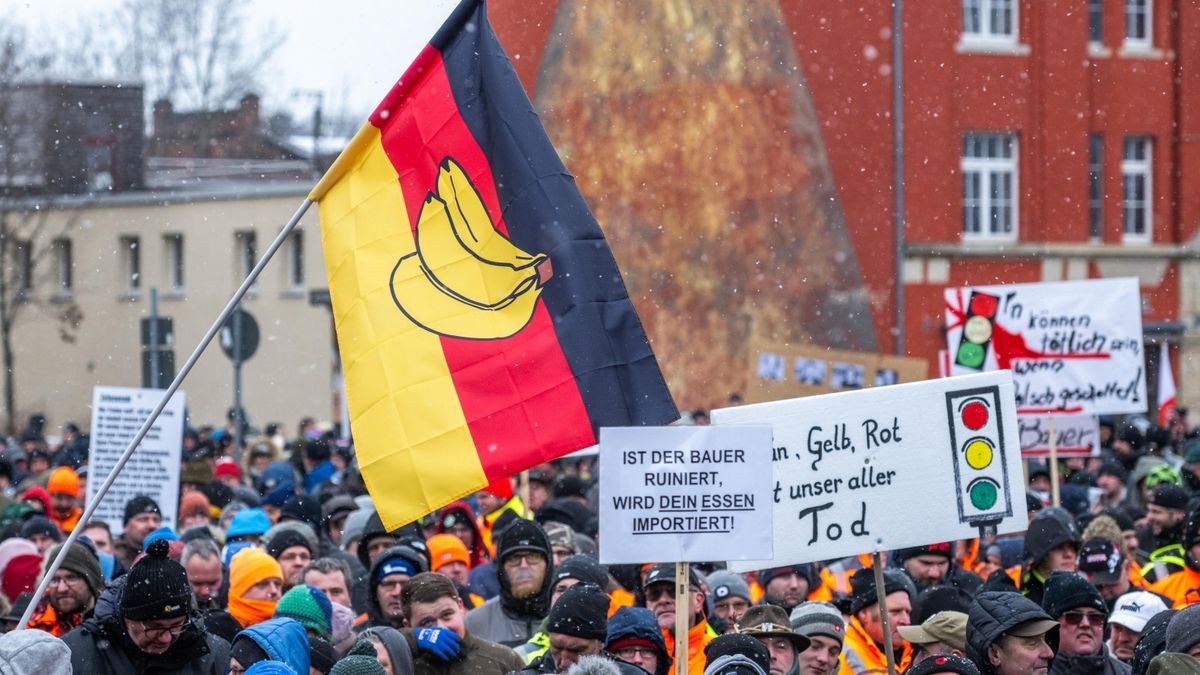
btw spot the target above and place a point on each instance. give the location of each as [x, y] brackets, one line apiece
[102, 255]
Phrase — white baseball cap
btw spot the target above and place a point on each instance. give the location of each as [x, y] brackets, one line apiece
[1133, 610]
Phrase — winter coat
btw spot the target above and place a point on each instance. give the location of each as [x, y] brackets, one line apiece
[283, 640]
[26, 652]
[1182, 587]
[101, 646]
[1103, 663]
[476, 657]
[490, 620]
[861, 655]
[397, 648]
[993, 613]
[638, 622]
[699, 635]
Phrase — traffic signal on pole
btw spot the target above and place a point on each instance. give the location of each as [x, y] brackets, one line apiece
[977, 443]
[978, 325]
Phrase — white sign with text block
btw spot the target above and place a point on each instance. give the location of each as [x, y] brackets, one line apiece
[683, 494]
[890, 467]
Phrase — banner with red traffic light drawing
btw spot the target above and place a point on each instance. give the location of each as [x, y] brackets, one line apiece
[890, 467]
[1074, 347]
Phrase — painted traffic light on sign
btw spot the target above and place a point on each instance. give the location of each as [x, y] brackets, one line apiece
[977, 443]
[977, 331]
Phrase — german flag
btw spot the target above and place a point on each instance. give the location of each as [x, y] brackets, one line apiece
[482, 322]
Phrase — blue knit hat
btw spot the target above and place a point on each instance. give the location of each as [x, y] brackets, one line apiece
[248, 522]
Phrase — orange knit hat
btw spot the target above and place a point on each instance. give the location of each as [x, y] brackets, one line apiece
[63, 481]
[446, 548]
[191, 503]
[246, 569]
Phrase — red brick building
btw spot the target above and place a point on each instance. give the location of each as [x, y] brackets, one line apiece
[1044, 140]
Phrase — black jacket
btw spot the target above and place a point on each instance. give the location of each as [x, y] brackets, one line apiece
[101, 645]
[1103, 663]
[991, 615]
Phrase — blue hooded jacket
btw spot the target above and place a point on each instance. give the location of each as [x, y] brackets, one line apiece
[638, 622]
[283, 640]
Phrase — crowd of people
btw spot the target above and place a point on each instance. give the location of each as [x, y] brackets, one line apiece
[279, 563]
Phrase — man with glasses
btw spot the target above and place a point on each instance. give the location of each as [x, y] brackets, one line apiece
[144, 625]
[73, 591]
[1081, 615]
[659, 588]
[634, 637]
[524, 568]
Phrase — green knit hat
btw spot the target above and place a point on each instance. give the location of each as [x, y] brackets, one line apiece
[310, 607]
[362, 659]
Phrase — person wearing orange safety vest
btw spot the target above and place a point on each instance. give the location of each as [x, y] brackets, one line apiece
[863, 652]
[1183, 587]
[659, 589]
[495, 501]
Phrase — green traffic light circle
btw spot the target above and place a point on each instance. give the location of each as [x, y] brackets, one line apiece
[970, 355]
[984, 493]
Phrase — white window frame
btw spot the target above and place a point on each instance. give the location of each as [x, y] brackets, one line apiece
[989, 170]
[1134, 169]
[986, 32]
[1146, 9]
[176, 270]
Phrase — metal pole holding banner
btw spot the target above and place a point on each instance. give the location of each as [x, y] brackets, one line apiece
[523, 490]
[237, 383]
[166, 397]
[881, 596]
[683, 610]
[1053, 459]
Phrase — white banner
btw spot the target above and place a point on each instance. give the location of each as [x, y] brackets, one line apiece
[890, 467]
[682, 494]
[1075, 435]
[1075, 347]
[153, 470]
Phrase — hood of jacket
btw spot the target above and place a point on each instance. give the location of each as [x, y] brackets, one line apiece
[283, 640]
[397, 648]
[33, 651]
[1091, 664]
[108, 621]
[993, 613]
[462, 510]
[638, 622]
[419, 561]
[1044, 535]
[524, 535]
[409, 534]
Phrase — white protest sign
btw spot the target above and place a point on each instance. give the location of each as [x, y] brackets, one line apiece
[1075, 347]
[684, 493]
[890, 467]
[1075, 435]
[153, 469]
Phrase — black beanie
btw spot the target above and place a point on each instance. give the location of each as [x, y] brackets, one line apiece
[285, 539]
[247, 651]
[737, 644]
[1169, 497]
[1066, 591]
[41, 525]
[583, 568]
[139, 505]
[582, 612]
[305, 508]
[862, 587]
[156, 587]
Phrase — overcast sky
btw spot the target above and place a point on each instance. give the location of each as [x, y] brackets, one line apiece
[353, 50]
